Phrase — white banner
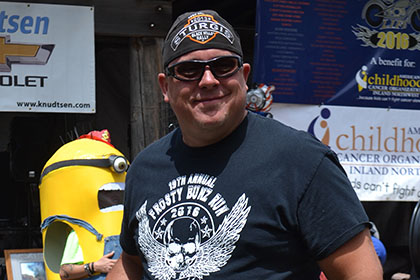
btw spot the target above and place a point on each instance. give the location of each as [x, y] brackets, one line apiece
[47, 58]
[378, 148]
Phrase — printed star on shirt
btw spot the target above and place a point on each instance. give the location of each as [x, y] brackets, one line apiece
[159, 233]
[206, 231]
[204, 220]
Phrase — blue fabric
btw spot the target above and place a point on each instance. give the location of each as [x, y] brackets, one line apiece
[112, 243]
[72, 220]
[380, 249]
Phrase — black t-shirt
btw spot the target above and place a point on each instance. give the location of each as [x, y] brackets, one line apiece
[266, 202]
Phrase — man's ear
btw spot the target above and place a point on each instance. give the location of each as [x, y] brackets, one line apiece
[246, 70]
[163, 84]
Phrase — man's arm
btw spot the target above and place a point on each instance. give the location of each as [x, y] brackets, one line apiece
[355, 260]
[72, 271]
[127, 267]
[76, 271]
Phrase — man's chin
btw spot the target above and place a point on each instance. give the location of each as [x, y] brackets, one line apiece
[211, 122]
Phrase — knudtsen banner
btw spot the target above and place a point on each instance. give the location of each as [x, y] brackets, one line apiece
[338, 52]
[47, 58]
[379, 148]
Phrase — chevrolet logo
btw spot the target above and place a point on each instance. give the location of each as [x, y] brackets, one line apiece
[22, 54]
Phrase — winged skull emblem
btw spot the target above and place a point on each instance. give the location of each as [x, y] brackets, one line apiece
[187, 257]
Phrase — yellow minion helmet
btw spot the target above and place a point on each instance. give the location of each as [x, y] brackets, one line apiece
[81, 189]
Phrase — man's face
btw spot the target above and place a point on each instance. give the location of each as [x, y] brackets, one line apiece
[209, 106]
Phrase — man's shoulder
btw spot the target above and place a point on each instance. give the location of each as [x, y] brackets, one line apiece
[265, 122]
[156, 149]
[275, 130]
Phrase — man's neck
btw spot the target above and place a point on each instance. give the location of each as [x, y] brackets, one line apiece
[213, 135]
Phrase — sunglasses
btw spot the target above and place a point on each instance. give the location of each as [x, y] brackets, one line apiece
[193, 70]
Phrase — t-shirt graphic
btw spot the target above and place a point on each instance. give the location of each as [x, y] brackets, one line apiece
[183, 244]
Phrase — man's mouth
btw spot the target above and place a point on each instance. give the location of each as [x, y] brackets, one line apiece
[210, 99]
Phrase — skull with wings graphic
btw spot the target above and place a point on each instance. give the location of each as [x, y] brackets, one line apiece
[186, 256]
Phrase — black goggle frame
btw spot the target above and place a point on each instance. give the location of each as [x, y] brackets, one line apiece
[170, 70]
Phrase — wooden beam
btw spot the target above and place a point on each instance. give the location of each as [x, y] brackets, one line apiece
[129, 18]
[132, 18]
[148, 112]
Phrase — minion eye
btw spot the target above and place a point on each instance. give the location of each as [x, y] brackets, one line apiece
[119, 164]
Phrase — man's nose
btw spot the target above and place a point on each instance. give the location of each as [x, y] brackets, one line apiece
[208, 78]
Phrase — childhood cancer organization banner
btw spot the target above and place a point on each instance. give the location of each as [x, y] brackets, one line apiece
[340, 52]
[46, 58]
[378, 148]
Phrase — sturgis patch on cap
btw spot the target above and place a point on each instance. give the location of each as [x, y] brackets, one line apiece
[199, 30]
[202, 29]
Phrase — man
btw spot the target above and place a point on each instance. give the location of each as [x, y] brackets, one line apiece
[231, 194]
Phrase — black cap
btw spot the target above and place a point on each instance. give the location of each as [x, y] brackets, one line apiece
[204, 29]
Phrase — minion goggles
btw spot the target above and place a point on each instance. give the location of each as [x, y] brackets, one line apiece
[119, 164]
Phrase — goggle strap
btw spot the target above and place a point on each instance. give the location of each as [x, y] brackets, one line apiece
[74, 162]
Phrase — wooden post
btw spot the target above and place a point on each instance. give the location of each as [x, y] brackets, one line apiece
[149, 114]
